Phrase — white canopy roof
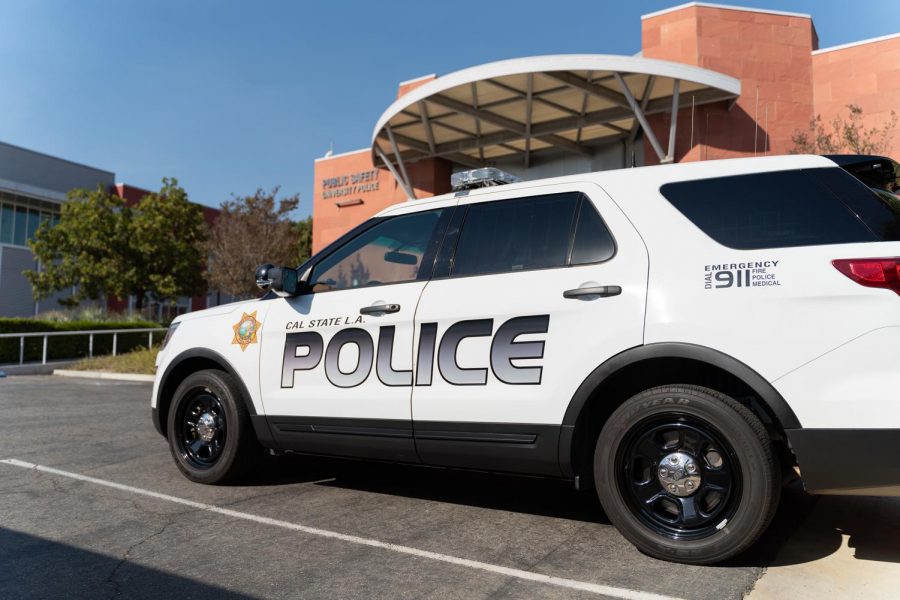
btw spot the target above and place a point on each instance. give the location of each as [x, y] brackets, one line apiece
[514, 107]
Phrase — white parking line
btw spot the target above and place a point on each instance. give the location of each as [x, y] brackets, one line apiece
[613, 592]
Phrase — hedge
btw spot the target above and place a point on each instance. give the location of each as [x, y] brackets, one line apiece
[69, 346]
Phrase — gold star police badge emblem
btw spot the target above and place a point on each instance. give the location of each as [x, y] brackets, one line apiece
[245, 330]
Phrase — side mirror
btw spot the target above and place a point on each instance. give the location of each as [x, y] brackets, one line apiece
[263, 281]
[285, 282]
[281, 280]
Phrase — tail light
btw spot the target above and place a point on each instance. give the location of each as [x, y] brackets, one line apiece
[871, 272]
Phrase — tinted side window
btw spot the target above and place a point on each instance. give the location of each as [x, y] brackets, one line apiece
[593, 242]
[390, 252]
[880, 212]
[516, 235]
[876, 172]
[767, 210]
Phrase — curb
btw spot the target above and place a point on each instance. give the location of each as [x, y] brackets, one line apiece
[14, 370]
[104, 375]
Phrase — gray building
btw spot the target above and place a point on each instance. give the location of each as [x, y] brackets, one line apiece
[32, 188]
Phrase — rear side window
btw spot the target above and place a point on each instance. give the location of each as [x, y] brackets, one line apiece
[774, 210]
[516, 235]
[878, 209]
[593, 242]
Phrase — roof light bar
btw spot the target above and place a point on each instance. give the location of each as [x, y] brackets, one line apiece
[478, 178]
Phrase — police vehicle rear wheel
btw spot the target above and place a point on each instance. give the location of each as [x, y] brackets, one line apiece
[209, 428]
[687, 474]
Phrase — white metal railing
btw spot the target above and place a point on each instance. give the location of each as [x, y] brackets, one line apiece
[90, 333]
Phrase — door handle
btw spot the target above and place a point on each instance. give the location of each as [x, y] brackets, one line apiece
[378, 309]
[601, 291]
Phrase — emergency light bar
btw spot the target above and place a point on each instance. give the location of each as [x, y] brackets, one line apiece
[477, 178]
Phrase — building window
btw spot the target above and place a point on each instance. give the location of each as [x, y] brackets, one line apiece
[7, 218]
[20, 230]
[21, 216]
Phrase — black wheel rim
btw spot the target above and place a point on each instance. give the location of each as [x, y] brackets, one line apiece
[679, 514]
[201, 429]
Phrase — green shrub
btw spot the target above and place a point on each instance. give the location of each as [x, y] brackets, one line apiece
[70, 346]
[141, 360]
[90, 312]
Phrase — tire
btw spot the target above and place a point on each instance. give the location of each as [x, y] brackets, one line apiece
[208, 404]
[655, 441]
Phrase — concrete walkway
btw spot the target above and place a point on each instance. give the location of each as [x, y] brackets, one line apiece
[849, 547]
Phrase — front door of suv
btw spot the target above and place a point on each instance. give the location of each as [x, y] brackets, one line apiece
[336, 364]
[541, 289]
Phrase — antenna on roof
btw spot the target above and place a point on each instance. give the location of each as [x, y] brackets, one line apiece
[330, 149]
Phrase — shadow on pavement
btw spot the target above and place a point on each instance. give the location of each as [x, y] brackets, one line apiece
[871, 523]
[33, 567]
[805, 528]
[794, 508]
[530, 495]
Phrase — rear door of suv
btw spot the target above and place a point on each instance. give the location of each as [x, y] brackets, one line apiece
[532, 291]
[782, 270]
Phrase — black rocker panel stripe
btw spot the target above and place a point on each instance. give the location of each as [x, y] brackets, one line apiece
[508, 447]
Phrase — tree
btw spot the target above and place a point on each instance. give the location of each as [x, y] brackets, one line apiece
[251, 230]
[846, 136]
[304, 239]
[101, 246]
[167, 235]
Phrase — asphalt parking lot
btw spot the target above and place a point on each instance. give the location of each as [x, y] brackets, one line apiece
[92, 506]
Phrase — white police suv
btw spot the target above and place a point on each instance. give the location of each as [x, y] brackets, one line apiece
[684, 337]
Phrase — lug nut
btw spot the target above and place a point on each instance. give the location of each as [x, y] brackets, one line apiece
[663, 472]
[673, 460]
[690, 485]
[673, 488]
[692, 468]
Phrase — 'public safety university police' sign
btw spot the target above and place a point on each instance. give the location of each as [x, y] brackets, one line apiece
[345, 185]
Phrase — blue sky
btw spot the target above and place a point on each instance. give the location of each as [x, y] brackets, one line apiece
[231, 96]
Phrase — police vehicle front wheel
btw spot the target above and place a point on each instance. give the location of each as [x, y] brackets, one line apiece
[209, 428]
[687, 474]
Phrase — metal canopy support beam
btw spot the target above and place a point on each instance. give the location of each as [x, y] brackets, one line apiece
[504, 101]
[456, 129]
[670, 155]
[535, 96]
[576, 82]
[508, 124]
[391, 168]
[407, 184]
[584, 105]
[529, 106]
[393, 171]
[425, 152]
[616, 128]
[645, 99]
[465, 159]
[636, 109]
[477, 120]
[563, 143]
[426, 123]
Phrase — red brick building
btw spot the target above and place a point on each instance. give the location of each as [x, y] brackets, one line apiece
[744, 81]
